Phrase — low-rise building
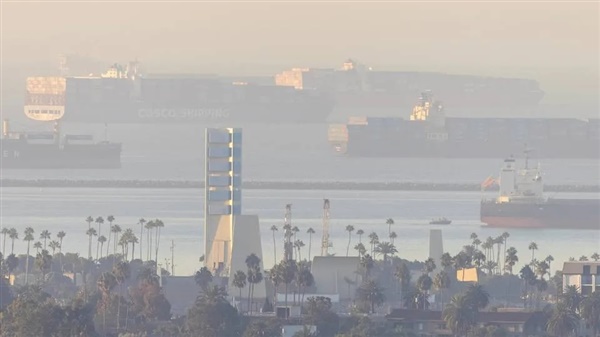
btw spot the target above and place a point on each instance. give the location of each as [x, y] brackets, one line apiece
[584, 275]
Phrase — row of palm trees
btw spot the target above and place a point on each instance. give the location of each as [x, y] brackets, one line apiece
[125, 238]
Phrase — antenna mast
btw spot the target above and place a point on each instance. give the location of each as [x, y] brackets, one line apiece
[325, 240]
[288, 245]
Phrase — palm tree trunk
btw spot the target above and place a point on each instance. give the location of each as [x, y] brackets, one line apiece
[309, 245]
[108, 244]
[141, 239]
[348, 247]
[90, 248]
[286, 300]
[4, 246]
[27, 264]
[119, 309]
[132, 251]
[12, 248]
[148, 256]
[249, 297]
[274, 248]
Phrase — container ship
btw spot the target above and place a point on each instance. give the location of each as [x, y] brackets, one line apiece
[123, 95]
[429, 133]
[46, 150]
[521, 203]
[360, 89]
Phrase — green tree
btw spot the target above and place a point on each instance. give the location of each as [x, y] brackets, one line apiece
[389, 222]
[158, 225]
[254, 276]
[349, 229]
[563, 322]
[477, 296]
[373, 240]
[360, 233]
[533, 247]
[370, 292]
[37, 245]
[45, 235]
[590, 311]
[402, 274]
[43, 262]
[360, 248]
[90, 233]
[385, 249]
[304, 280]
[106, 283]
[122, 272]
[310, 233]
[239, 281]
[5, 231]
[459, 315]
[511, 259]
[273, 230]
[288, 272]
[203, 278]
[213, 316]
[13, 235]
[101, 239]
[12, 262]
[319, 313]
[528, 277]
[28, 237]
[441, 281]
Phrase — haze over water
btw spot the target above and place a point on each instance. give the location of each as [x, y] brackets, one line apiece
[181, 210]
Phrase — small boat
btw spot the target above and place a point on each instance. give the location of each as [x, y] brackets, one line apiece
[440, 221]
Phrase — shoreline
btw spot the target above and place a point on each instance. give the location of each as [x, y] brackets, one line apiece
[281, 185]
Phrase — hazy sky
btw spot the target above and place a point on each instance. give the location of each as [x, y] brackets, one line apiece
[542, 40]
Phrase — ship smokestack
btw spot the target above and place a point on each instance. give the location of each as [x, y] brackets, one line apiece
[5, 128]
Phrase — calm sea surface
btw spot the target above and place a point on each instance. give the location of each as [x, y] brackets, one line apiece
[65, 209]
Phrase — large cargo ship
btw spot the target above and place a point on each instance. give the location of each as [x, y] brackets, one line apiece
[521, 204]
[46, 150]
[429, 133]
[123, 95]
[360, 89]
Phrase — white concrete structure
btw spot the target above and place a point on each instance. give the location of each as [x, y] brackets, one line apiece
[229, 236]
[436, 247]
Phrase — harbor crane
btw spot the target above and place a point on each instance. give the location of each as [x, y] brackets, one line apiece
[325, 240]
[288, 245]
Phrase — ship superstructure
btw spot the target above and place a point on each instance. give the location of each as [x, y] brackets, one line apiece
[521, 203]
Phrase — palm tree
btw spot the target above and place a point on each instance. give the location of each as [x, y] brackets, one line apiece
[385, 249]
[141, 221]
[13, 235]
[595, 257]
[43, 261]
[590, 311]
[90, 233]
[158, 225]
[295, 230]
[389, 222]
[349, 229]
[203, 278]
[370, 292]
[360, 248]
[441, 281]
[304, 280]
[54, 245]
[89, 220]
[298, 244]
[37, 245]
[402, 274]
[533, 247]
[360, 233]
[528, 277]
[563, 322]
[254, 276]
[310, 232]
[393, 237]
[273, 230]
[61, 235]
[106, 283]
[446, 260]
[121, 272]
[131, 238]
[101, 239]
[99, 221]
[424, 283]
[505, 237]
[571, 297]
[149, 226]
[459, 315]
[4, 233]
[28, 237]
[477, 296]
[498, 241]
[275, 276]
[115, 229]
[45, 235]
[373, 240]
[239, 281]
[511, 259]
[549, 260]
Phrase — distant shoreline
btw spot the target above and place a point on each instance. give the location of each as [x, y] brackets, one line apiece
[280, 185]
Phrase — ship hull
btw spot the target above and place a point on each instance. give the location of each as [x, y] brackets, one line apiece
[554, 213]
[18, 154]
[467, 138]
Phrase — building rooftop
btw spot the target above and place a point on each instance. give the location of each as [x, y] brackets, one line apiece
[576, 267]
[514, 317]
